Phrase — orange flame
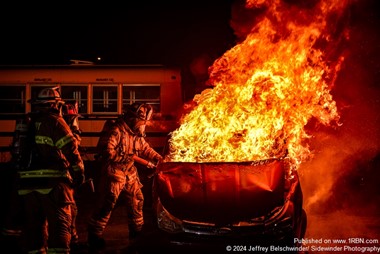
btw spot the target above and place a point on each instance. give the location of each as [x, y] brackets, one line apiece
[266, 89]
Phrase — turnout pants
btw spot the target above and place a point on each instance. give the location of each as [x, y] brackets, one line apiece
[115, 181]
[47, 220]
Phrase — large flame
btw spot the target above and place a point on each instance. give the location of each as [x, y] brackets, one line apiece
[266, 89]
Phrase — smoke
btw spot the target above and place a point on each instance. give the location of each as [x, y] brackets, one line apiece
[198, 68]
[354, 146]
[340, 184]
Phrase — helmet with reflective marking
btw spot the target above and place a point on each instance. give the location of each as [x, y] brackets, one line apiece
[48, 95]
[138, 110]
[136, 116]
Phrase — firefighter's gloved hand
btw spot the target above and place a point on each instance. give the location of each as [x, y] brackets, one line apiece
[78, 179]
[150, 165]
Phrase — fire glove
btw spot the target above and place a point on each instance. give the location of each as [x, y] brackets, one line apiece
[150, 165]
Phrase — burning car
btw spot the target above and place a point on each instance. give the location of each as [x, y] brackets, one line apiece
[227, 176]
[198, 204]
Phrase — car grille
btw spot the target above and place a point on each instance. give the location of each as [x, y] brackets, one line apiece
[279, 229]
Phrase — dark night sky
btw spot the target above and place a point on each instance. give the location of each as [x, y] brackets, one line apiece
[155, 32]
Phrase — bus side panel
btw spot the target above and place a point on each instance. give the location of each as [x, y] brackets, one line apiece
[6, 137]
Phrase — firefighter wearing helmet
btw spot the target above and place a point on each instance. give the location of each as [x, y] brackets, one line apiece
[71, 115]
[121, 143]
[47, 184]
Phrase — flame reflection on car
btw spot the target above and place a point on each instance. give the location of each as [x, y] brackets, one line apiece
[198, 204]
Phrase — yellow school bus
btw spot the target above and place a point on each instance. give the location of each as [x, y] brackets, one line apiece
[100, 90]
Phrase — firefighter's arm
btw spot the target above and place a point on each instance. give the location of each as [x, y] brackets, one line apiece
[149, 152]
[143, 162]
[73, 156]
[69, 147]
[112, 151]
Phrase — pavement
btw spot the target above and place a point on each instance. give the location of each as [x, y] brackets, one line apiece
[116, 233]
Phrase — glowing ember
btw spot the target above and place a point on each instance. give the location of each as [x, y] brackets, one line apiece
[266, 89]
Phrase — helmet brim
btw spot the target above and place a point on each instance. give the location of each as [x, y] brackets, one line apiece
[48, 101]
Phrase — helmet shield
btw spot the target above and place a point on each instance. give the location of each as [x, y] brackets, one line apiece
[137, 115]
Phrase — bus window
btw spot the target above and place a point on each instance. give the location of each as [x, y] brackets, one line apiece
[104, 98]
[12, 99]
[77, 93]
[147, 93]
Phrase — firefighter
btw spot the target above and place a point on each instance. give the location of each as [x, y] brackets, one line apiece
[70, 114]
[122, 142]
[46, 186]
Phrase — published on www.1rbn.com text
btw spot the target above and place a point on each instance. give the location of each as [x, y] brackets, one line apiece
[310, 245]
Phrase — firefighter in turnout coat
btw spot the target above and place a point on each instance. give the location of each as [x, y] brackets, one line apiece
[46, 185]
[70, 114]
[123, 141]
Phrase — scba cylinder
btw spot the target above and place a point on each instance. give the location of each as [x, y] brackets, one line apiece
[20, 144]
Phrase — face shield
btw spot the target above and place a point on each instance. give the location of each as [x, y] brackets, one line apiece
[143, 114]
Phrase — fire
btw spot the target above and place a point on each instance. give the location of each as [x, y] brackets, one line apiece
[265, 91]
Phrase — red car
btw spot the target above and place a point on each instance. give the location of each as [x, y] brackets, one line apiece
[218, 204]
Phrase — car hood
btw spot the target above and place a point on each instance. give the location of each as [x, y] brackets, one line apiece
[220, 193]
